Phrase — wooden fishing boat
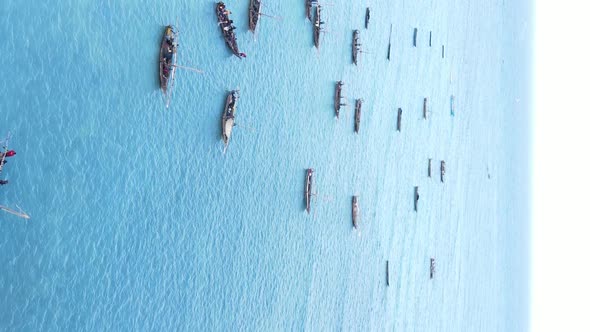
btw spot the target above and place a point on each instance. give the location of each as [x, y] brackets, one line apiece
[355, 212]
[338, 98]
[168, 48]
[254, 14]
[357, 115]
[425, 109]
[227, 29]
[430, 39]
[399, 119]
[429, 167]
[228, 116]
[387, 273]
[367, 17]
[356, 46]
[415, 35]
[308, 186]
[317, 26]
[442, 171]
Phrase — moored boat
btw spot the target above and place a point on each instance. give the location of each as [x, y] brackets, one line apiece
[389, 47]
[429, 167]
[338, 98]
[227, 29]
[308, 184]
[355, 212]
[442, 171]
[430, 39]
[367, 17]
[356, 45]
[167, 66]
[425, 109]
[254, 14]
[415, 35]
[387, 272]
[453, 105]
[228, 117]
[357, 115]
[399, 119]
[317, 26]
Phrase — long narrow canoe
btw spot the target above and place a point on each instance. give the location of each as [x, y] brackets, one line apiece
[442, 171]
[416, 198]
[338, 98]
[367, 17]
[357, 115]
[228, 116]
[167, 65]
[415, 35]
[425, 108]
[227, 29]
[254, 14]
[317, 26]
[308, 186]
[399, 119]
[429, 167]
[356, 45]
[355, 212]
[432, 267]
[387, 272]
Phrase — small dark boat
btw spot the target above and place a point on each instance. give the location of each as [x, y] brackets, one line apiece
[416, 198]
[415, 35]
[228, 117]
[317, 26]
[429, 167]
[452, 105]
[356, 45]
[167, 66]
[367, 17]
[430, 39]
[338, 98]
[442, 171]
[443, 51]
[254, 14]
[432, 267]
[389, 47]
[227, 29]
[357, 115]
[425, 109]
[355, 211]
[399, 119]
[387, 273]
[308, 184]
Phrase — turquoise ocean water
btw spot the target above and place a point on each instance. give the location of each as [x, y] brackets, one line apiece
[139, 222]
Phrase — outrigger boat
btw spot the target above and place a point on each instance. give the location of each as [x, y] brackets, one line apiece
[254, 14]
[429, 167]
[227, 29]
[356, 46]
[357, 115]
[317, 26]
[228, 117]
[399, 119]
[308, 184]
[432, 267]
[367, 17]
[168, 49]
[20, 213]
[355, 211]
[338, 98]
[425, 109]
[416, 198]
[442, 171]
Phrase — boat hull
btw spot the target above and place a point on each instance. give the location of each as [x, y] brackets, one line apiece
[355, 212]
[167, 63]
[228, 116]
[308, 187]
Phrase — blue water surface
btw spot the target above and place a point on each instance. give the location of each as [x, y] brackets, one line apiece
[140, 222]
